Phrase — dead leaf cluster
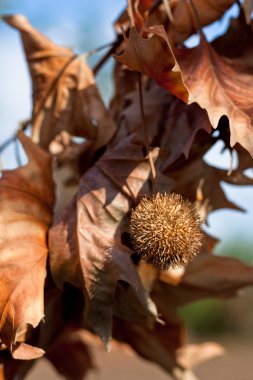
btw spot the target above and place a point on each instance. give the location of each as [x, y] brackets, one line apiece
[68, 269]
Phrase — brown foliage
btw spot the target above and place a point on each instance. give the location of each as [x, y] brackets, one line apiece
[226, 89]
[96, 280]
[97, 260]
[27, 198]
[65, 96]
[141, 55]
[185, 22]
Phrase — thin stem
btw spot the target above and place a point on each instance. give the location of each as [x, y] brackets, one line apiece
[231, 163]
[59, 75]
[146, 137]
[52, 87]
[13, 139]
[102, 47]
[107, 55]
[17, 152]
[130, 12]
[1, 165]
[7, 142]
[197, 19]
[168, 10]
[117, 43]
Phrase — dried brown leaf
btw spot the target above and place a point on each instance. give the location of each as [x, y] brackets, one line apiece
[62, 337]
[236, 43]
[207, 276]
[86, 242]
[171, 124]
[27, 197]
[141, 8]
[197, 180]
[185, 23]
[219, 85]
[125, 81]
[222, 87]
[141, 54]
[221, 276]
[164, 343]
[70, 355]
[65, 96]
[182, 124]
[158, 345]
[11, 369]
[192, 355]
[146, 12]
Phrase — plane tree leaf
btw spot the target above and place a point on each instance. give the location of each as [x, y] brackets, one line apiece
[26, 201]
[65, 96]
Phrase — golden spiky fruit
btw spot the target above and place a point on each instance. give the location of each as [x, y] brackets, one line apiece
[165, 230]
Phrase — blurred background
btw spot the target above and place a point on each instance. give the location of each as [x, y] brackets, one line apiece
[85, 25]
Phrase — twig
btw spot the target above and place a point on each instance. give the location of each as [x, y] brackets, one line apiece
[197, 19]
[168, 10]
[13, 139]
[95, 51]
[17, 152]
[117, 43]
[146, 137]
[7, 142]
[52, 87]
[1, 164]
[60, 74]
[107, 55]
[231, 163]
[130, 12]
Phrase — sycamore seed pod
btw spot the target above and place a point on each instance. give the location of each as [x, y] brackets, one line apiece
[165, 230]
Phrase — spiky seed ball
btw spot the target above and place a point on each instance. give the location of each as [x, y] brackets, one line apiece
[165, 230]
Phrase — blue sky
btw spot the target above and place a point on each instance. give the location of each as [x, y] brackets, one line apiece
[84, 25]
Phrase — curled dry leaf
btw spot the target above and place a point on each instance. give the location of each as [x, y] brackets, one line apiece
[27, 198]
[165, 343]
[236, 43]
[207, 276]
[70, 355]
[185, 23]
[172, 125]
[141, 54]
[89, 244]
[68, 166]
[62, 335]
[86, 242]
[66, 344]
[156, 102]
[183, 123]
[125, 81]
[146, 12]
[218, 84]
[197, 180]
[222, 87]
[11, 369]
[141, 9]
[65, 96]
[220, 276]
[158, 345]
[192, 355]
